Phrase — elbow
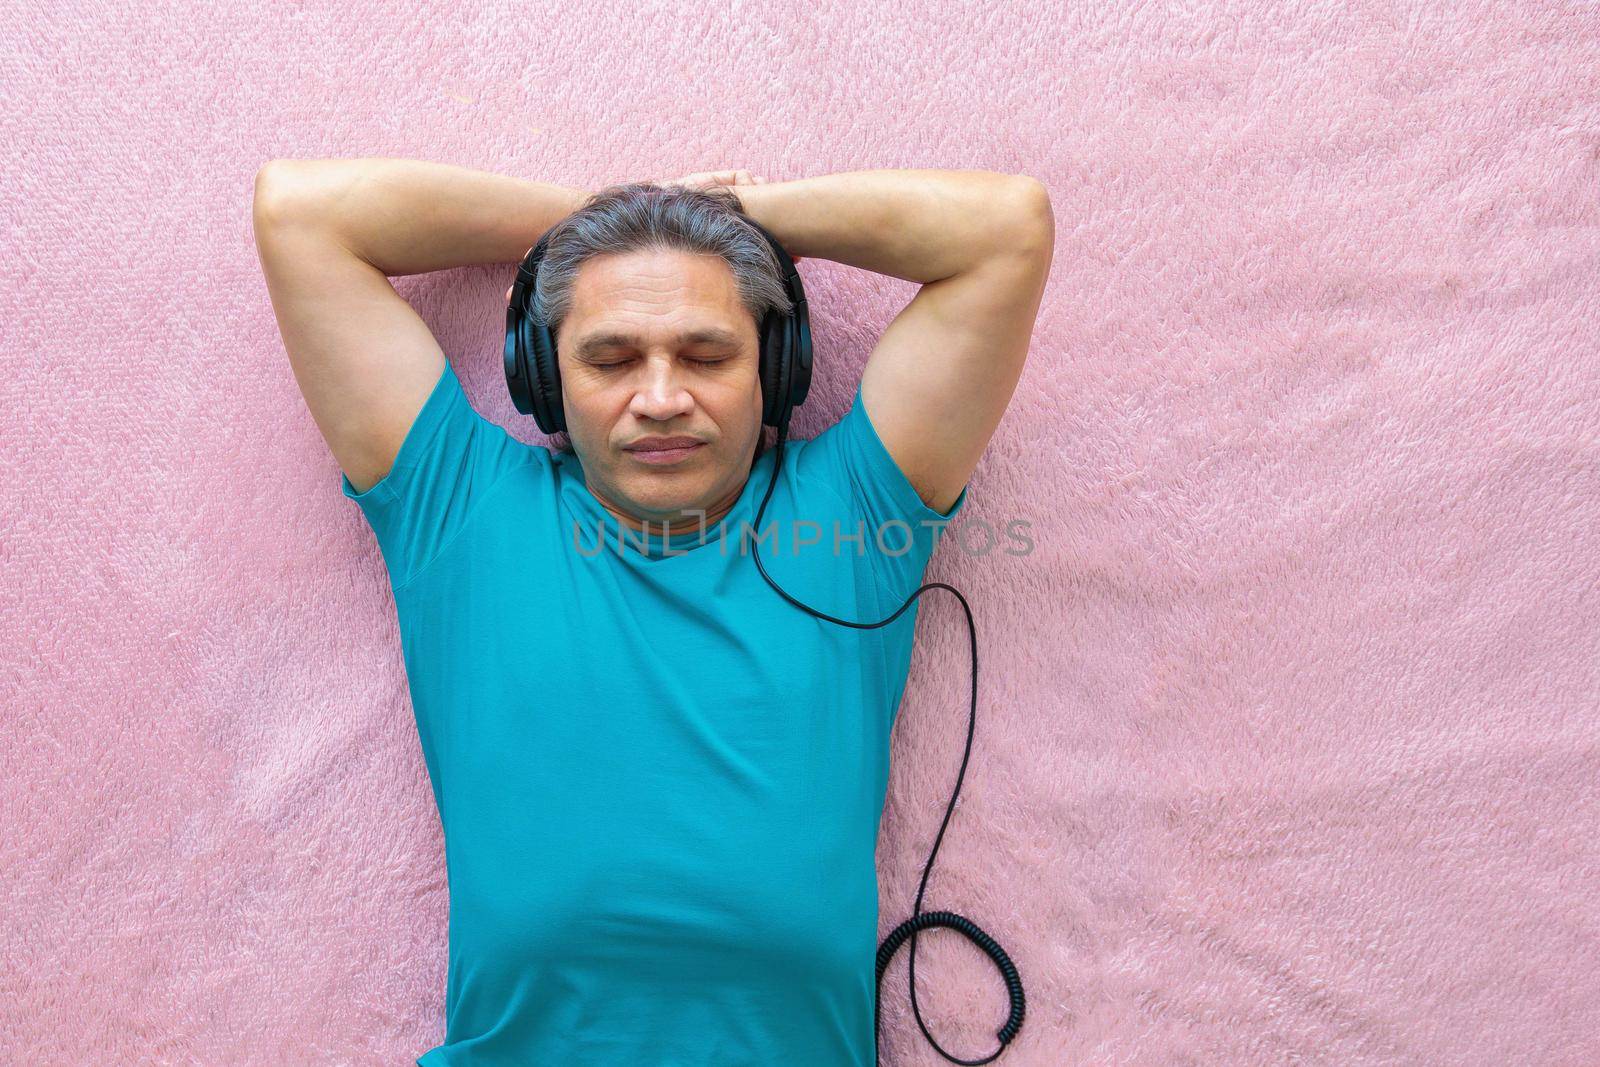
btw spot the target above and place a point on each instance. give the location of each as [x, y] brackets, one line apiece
[305, 196]
[291, 190]
[272, 196]
[1033, 219]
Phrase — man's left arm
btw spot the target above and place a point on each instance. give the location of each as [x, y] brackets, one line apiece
[980, 243]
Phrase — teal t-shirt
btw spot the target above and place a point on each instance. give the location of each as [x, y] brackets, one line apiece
[659, 782]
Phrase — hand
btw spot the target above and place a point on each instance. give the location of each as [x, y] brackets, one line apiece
[706, 179]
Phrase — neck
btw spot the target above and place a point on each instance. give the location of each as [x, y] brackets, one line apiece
[680, 522]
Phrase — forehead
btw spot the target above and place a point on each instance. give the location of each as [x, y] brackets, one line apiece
[656, 296]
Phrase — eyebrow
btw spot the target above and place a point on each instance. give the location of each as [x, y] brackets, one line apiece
[596, 343]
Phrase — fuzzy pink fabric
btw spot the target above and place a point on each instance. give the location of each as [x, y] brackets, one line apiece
[1289, 725]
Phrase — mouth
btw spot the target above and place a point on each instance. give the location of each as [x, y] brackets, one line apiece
[662, 456]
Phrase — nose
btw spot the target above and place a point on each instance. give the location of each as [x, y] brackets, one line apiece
[660, 395]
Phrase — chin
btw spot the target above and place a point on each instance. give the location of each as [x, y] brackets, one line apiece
[650, 490]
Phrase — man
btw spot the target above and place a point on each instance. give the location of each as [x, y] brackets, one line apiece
[659, 783]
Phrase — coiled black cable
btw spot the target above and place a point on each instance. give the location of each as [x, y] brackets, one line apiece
[919, 920]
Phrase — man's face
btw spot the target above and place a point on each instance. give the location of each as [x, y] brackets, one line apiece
[657, 344]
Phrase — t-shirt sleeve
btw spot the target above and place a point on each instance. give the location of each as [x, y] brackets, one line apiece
[450, 459]
[899, 531]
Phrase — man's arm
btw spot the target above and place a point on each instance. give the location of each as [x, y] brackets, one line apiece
[945, 368]
[330, 232]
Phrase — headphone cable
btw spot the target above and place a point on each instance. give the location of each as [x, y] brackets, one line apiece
[919, 920]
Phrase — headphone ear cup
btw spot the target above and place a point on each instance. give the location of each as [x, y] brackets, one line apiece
[518, 379]
[532, 374]
[774, 370]
[798, 334]
[546, 377]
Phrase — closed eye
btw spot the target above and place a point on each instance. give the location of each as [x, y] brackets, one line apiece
[625, 361]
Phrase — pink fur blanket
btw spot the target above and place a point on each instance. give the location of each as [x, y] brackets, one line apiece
[1289, 721]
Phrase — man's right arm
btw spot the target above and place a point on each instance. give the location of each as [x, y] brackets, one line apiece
[330, 233]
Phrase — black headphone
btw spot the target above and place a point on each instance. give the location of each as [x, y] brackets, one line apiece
[534, 378]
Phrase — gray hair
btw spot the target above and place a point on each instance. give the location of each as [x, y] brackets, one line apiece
[640, 216]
